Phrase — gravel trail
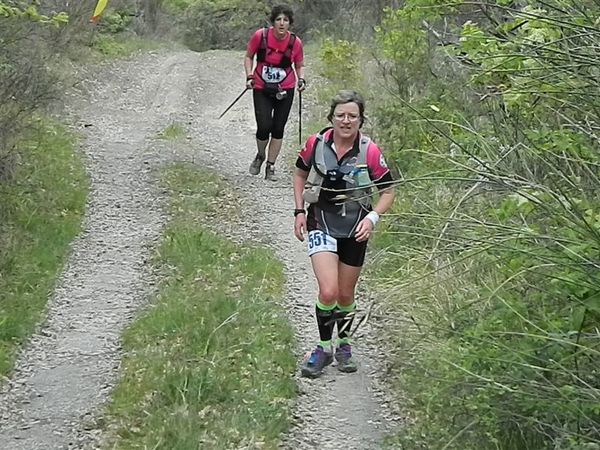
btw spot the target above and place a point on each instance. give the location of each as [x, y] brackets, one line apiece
[66, 372]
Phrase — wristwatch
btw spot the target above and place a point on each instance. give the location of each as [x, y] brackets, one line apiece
[299, 211]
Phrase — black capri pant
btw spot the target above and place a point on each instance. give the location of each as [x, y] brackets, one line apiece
[271, 114]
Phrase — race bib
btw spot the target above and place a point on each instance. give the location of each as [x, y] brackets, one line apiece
[273, 74]
[320, 242]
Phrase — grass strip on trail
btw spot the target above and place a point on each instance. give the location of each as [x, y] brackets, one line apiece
[208, 365]
[41, 208]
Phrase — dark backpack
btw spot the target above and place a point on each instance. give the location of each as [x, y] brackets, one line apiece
[286, 60]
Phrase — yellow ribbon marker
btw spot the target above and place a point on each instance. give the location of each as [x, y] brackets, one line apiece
[99, 8]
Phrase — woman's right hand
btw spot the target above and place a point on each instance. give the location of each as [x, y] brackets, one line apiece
[249, 83]
[300, 226]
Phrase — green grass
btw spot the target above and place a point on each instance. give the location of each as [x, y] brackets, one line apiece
[40, 214]
[172, 131]
[121, 45]
[208, 365]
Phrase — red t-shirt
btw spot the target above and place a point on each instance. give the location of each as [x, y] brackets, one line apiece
[268, 69]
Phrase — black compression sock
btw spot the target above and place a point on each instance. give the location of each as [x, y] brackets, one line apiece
[325, 320]
[344, 318]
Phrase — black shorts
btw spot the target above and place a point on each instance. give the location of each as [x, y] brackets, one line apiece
[351, 252]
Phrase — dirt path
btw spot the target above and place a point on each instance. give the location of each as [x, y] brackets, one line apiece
[67, 371]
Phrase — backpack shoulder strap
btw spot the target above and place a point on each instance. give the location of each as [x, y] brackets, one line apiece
[317, 146]
[314, 179]
[363, 147]
[322, 160]
[262, 49]
[286, 59]
[291, 43]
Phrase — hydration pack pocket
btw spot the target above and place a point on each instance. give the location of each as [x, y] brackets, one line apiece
[311, 193]
[312, 186]
[272, 88]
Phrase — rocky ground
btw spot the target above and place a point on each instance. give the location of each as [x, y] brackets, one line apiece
[66, 372]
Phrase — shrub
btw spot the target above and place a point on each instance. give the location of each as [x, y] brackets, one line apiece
[494, 248]
[26, 84]
[210, 25]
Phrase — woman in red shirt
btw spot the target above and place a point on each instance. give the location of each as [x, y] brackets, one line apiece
[279, 69]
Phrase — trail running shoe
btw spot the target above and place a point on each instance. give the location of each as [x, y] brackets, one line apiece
[256, 164]
[343, 356]
[313, 366]
[270, 172]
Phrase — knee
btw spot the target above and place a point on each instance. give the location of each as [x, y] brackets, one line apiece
[277, 134]
[277, 129]
[328, 295]
[346, 298]
[262, 134]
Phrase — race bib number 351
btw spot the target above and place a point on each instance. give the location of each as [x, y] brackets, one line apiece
[320, 242]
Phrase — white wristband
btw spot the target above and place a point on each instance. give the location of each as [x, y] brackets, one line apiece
[373, 217]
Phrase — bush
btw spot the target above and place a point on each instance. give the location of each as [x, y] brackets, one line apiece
[26, 85]
[228, 25]
[116, 21]
[339, 64]
[495, 245]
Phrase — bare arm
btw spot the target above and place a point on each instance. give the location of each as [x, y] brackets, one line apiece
[299, 181]
[299, 66]
[248, 68]
[365, 227]
[248, 63]
[300, 220]
[386, 199]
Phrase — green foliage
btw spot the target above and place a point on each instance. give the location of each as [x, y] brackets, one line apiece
[424, 97]
[172, 131]
[31, 13]
[109, 46]
[40, 214]
[495, 244]
[118, 45]
[208, 365]
[177, 6]
[26, 81]
[340, 63]
[223, 24]
[116, 21]
[401, 39]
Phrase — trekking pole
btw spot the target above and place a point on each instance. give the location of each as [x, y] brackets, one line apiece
[234, 102]
[300, 118]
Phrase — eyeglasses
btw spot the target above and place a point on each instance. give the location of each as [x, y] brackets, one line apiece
[340, 117]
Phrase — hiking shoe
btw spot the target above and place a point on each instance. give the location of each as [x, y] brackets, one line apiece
[270, 172]
[256, 164]
[343, 356]
[313, 366]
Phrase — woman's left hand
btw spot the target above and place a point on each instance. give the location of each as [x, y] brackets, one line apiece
[364, 230]
[301, 84]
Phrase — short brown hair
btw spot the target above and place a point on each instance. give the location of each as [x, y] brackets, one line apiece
[281, 9]
[347, 96]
